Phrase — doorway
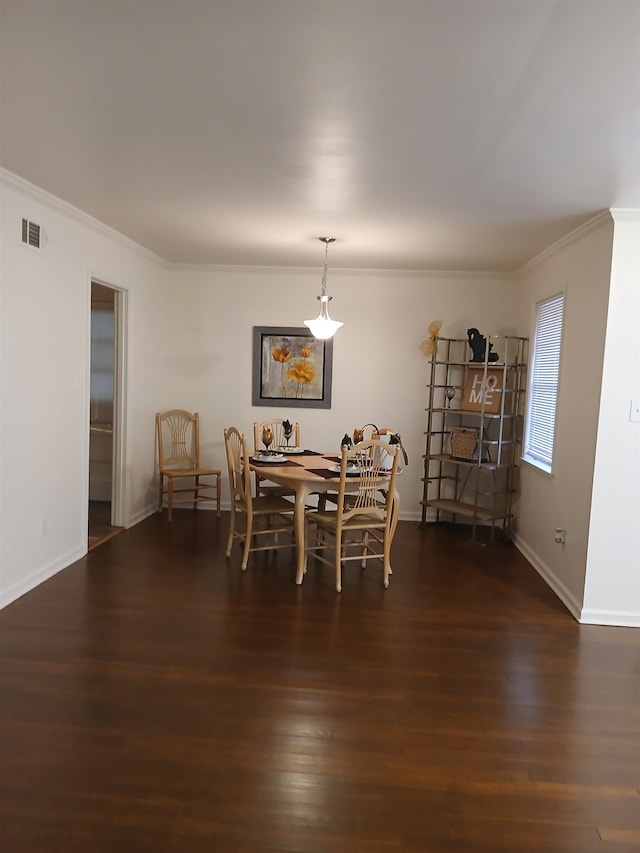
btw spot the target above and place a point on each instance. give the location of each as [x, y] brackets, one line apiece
[105, 510]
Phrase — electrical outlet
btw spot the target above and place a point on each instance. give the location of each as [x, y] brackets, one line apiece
[559, 536]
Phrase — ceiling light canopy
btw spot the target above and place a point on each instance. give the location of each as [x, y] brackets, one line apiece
[323, 326]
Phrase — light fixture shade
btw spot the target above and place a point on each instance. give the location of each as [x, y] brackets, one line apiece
[323, 326]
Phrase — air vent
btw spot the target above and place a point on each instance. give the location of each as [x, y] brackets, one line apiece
[31, 234]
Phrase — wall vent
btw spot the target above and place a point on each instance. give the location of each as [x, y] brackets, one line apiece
[32, 234]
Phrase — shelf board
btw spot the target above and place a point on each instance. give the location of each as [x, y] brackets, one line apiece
[500, 365]
[464, 413]
[471, 463]
[469, 510]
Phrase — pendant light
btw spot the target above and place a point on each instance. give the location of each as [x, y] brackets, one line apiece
[323, 326]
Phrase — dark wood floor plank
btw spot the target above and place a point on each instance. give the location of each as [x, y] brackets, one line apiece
[156, 698]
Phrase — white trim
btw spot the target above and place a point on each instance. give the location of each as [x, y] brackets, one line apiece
[119, 494]
[25, 585]
[481, 275]
[596, 222]
[626, 214]
[615, 618]
[566, 596]
[119, 491]
[64, 207]
[147, 512]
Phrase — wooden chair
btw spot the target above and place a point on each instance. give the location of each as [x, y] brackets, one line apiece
[274, 510]
[362, 526]
[178, 437]
[394, 438]
[277, 430]
[384, 434]
[364, 432]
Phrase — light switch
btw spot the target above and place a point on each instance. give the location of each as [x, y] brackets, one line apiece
[635, 410]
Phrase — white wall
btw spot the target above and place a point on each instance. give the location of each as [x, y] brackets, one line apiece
[581, 266]
[189, 344]
[612, 588]
[379, 371]
[44, 380]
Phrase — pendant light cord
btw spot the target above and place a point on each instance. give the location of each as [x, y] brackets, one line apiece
[326, 241]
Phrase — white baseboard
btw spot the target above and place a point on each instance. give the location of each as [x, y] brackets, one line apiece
[25, 585]
[139, 516]
[566, 596]
[615, 618]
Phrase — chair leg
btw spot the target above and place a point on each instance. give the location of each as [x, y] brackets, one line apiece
[218, 487]
[161, 493]
[386, 562]
[232, 527]
[170, 499]
[365, 545]
[247, 543]
[196, 489]
[338, 559]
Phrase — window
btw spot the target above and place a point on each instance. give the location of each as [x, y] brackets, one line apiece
[543, 388]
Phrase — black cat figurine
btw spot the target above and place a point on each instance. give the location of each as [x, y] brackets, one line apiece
[478, 344]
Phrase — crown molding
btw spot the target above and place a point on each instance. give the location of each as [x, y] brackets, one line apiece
[44, 197]
[626, 214]
[600, 220]
[40, 195]
[343, 271]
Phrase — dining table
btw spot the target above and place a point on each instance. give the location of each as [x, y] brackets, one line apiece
[307, 472]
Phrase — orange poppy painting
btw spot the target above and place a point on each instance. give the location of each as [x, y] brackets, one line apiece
[292, 367]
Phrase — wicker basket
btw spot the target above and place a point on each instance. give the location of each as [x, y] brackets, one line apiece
[464, 443]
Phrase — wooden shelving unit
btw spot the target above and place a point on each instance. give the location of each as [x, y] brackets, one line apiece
[473, 433]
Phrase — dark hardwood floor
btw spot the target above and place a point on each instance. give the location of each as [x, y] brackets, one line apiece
[156, 698]
[100, 527]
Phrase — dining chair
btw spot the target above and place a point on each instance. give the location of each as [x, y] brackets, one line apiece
[178, 440]
[278, 440]
[278, 434]
[362, 525]
[393, 437]
[275, 511]
[383, 434]
[364, 432]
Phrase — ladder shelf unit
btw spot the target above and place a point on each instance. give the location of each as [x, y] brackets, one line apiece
[473, 433]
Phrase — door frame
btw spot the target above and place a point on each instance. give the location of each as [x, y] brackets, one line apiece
[119, 507]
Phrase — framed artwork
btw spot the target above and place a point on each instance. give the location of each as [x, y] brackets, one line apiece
[291, 368]
[477, 393]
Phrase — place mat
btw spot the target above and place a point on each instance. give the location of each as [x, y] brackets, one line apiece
[309, 453]
[337, 459]
[279, 464]
[324, 472]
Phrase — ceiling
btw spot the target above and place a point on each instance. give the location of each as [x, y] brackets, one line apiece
[422, 134]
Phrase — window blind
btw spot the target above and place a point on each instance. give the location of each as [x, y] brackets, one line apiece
[543, 390]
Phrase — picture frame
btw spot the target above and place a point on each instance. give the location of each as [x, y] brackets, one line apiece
[480, 394]
[291, 368]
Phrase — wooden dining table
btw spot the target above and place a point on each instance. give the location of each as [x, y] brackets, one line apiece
[309, 473]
